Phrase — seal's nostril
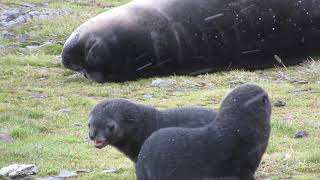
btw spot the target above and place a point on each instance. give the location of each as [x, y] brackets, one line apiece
[91, 137]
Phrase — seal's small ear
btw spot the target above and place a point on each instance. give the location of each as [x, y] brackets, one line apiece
[259, 100]
[259, 106]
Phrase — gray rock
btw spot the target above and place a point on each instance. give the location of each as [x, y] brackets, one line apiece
[31, 48]
[51, 178]
[78, 125]
[66, 110]
[161, 83]
[19, 170]
[38, 96]
[279, 103]
[4, 137]
[12, 14]
[59, 58]
[25, 4]
[76, 76]
[34, 13]
[110, 171]
[67, 174]
[300, 91]
[64, 174]
[86, 139]
[301, 134]
[301, 82]
[24, 38]
[43, 72]
[35, 47]
[46, 44]
[20, 20]
[11, 17]
[7, 34]
[147, 96]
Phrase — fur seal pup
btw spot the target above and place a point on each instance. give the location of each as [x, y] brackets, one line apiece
[157, 37]
[125, 125]
[230, 147]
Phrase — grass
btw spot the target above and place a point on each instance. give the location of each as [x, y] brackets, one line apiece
[50, 138]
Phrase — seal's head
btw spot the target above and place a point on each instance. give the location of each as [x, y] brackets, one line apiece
[110, 122]
[97, 56]
[247, 110]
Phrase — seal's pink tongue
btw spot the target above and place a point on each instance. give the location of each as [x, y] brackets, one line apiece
[99, 144]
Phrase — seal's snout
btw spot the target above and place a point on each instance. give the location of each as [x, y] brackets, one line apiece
[72, 54]
[100, 143]
[72, 66]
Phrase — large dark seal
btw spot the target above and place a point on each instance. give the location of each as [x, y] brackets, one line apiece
[155, 37]
[230, 147]
[125, 125]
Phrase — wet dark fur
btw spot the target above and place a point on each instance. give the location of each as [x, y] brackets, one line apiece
[126, 125]
[157, 37]
[230, 147]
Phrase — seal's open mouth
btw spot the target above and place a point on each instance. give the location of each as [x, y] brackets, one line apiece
[100, 143]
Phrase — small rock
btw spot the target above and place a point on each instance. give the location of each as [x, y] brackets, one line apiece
[301, 91]
[34, 13]
[31, 48]
[86, 139]
[301, 134]
[24, 38]
[67, 174]
[66, 110]
[236, 83]
[25, 4]
[7, 34]
[80, 171]
[38, 96]
[279, 103]
[4, 137]
[51, 178]
[46, 44]
[19, 170]
[147, 96]
[43, 72]
[12, 14]
[19, 20]
[161, 83]
[110, 171]
[78, 125]
[59, 58]
[301, 82]
[76, 76]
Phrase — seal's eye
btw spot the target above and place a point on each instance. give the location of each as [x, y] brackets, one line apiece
[111, 127]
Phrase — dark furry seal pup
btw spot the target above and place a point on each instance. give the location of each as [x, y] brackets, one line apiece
[156, 37]
[230, 147]
[125, 125]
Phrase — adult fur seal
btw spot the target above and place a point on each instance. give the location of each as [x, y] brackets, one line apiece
[125, 125]
[155, 37]
[230, 147]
